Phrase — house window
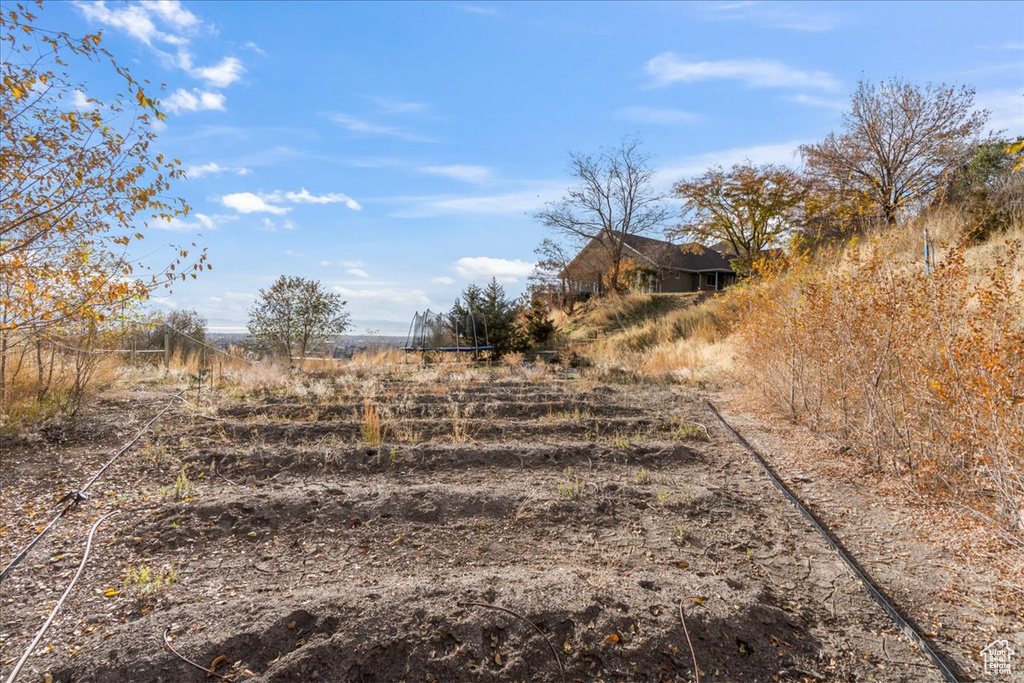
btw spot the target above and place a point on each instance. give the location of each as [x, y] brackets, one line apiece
[677, 275]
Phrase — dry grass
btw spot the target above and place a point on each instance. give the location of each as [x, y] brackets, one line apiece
[51, 379]
[922, 374]
[372, 432]
[683, 341]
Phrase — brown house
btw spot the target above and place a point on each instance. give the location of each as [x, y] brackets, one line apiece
[662, 267]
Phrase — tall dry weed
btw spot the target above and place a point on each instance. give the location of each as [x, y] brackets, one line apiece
[923, 374]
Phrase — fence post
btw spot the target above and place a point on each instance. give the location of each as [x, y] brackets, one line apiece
[167, 350]
[134, 355]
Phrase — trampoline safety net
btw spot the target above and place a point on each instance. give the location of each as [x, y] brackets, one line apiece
[431, 331]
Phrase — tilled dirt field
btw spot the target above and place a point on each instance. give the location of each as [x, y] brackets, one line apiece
[275, 535]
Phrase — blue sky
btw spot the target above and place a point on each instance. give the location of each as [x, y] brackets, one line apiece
[397, 151]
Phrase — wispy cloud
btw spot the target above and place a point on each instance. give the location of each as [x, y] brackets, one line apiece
[1007, 110]
[213, 168]
[250, 45]
[815, 101]
[443, 280]
[361, 126]
[390, 303]
[304, 197]
[387, 105]
[357, 272]
[656, 116]
[197, 221]
[197, 100]
[1003, 46]
[465, 173]
[81, 101]
[481, 10]
[504, 204]
[667, 68]
[777, 153]
[250, 202]
[172, 12]
[168, 22]
[505, 271]
[135, 20]
[792, 16]
[270, 225]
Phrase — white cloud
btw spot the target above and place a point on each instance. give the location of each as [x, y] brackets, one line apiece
[462, 172]
[509, 203]
[654, 115]
[204, 169]
[357, 272]
[182, 100]
[486, 267]
[304, 197]
[814, 101]
[249, 45]
[270, 225]
[247, 202]
[325, 263]
[220, 75]
[132, 19]
[201, 221]
[356, 125]
[351, 264]
[481, 10]
[80, 101]
[443, 280]
[667, 68]
[172, 12]
[390, 106]
[137, 20]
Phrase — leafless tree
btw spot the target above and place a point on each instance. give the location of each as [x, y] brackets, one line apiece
[548, 282]
[899, 139]
[615, 198]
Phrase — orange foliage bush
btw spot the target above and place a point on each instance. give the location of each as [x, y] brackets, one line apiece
[923, 374]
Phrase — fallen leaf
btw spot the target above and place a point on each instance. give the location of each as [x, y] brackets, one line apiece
[111, 592]
[613, 638]
[682, 564]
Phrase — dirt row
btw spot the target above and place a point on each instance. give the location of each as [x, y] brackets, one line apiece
[276, 537]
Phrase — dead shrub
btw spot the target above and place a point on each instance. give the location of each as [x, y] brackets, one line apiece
[923, 375]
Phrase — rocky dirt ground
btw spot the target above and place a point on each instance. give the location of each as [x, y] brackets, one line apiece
[278, 540]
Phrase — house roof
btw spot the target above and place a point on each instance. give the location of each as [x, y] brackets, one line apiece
[691, 257]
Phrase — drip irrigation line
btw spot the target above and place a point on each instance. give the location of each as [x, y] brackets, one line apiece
[693, 653]
[209, 672]
[902, 622]
[554, 652]
[60, 602]
[76, 497]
